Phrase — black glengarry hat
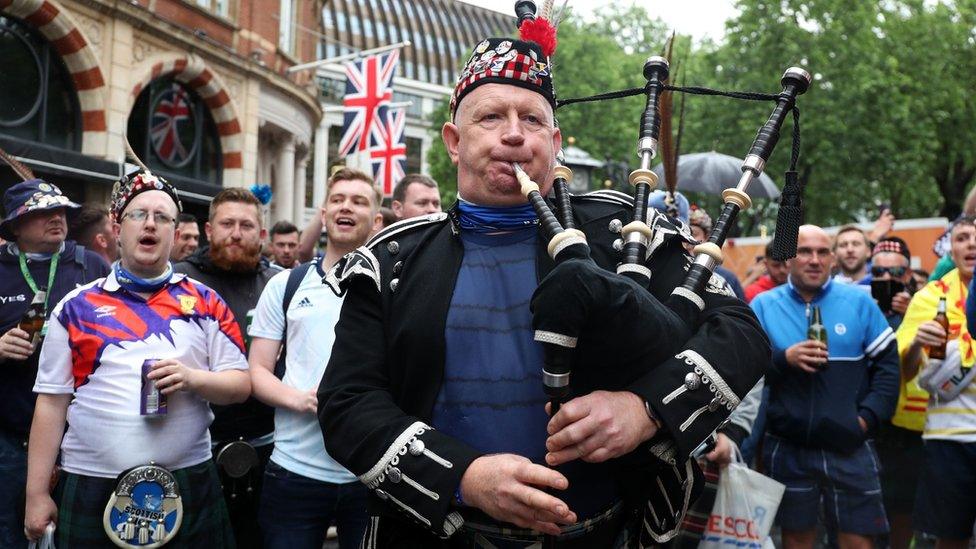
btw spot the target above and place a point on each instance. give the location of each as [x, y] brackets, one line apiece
[524, 63]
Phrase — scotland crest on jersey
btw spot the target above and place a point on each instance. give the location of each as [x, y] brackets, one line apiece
[145, 509]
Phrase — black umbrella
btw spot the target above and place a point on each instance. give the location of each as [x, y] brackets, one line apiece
[713, 172]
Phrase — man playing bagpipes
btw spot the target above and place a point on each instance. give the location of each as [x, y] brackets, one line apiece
[433, 395]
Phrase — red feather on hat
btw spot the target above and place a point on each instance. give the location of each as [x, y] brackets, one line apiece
[541, 32]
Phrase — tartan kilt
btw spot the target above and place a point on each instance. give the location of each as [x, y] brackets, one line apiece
[82, 499]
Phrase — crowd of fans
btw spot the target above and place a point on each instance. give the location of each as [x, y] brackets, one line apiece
[861, 428]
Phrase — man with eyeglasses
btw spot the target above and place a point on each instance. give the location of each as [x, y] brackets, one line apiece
[826, 401]
[101, 337]
[242, 433]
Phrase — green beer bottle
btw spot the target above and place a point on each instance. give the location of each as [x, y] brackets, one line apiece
[816, 329]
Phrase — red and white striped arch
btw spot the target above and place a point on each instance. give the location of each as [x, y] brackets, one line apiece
[193, 72]
[54, 24]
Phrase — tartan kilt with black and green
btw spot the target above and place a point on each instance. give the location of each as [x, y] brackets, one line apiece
[82, 499]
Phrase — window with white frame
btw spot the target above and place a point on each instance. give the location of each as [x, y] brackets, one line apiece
[219, 7]
[286, 26]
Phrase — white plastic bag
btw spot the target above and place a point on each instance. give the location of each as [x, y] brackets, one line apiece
[745, 507]
[46, 541]
[946, 378]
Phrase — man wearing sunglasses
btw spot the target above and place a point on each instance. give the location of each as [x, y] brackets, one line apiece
[899, 443]
[891, 278]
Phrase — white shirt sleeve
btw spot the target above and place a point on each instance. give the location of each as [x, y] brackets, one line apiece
[54, 372]
[269, 319]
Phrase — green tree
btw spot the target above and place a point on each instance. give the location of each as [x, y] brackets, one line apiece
[874, 121]
[439, 163]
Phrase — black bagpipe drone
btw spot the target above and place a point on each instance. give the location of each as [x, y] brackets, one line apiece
[561, 312]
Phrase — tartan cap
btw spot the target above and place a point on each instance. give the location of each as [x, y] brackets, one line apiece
[135, 184]
[505, 61]
[892, 244]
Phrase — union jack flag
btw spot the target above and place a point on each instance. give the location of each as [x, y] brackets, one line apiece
[172, 112]
[389, 155]
[368, 89]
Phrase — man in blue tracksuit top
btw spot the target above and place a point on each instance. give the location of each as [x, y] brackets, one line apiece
[826, 402]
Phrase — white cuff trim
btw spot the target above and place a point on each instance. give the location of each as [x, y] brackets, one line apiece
[715, 382]
[401, 442]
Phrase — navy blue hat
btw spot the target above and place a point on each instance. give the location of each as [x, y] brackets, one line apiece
[33, 195]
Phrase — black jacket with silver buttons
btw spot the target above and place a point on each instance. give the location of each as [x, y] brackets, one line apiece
[387, 366]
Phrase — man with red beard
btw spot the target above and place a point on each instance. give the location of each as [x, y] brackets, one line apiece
[242, 433]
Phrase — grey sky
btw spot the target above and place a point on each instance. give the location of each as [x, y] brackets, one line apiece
[699, 18]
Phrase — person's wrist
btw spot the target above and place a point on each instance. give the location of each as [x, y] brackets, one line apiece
[653, 424]
[192, 379]
[463, 492]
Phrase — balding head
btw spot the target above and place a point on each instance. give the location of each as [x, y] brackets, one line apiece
[812, 231]
[810, 269]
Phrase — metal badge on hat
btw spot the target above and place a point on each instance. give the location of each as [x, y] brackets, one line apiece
[145, 509]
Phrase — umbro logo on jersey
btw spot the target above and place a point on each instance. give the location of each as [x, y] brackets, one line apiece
[105, 310]
[305, 302]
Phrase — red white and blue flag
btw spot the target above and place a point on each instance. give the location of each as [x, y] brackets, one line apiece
[172, 114]
[369, 89]
[389, 153]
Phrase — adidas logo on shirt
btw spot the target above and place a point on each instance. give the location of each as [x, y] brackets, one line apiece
[305, 302]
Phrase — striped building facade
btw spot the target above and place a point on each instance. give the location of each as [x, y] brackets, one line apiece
[199, 87]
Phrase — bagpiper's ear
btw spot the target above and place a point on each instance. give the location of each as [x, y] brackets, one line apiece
[451, 135]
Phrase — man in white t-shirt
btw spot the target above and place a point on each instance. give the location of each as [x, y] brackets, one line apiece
[305, 490]
[90, 377]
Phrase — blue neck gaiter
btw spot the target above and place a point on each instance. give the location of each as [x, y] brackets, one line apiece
[491, 219]
[133, 283]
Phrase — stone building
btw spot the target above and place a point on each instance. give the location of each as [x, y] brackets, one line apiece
[199, 87]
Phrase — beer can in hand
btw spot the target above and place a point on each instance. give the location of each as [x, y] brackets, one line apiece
[152, 403]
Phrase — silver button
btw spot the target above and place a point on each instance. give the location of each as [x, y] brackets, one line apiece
[616, 225]
[714, 404]
[397, 267]
[395, 475]
[692, 381]
[382, 494]
[393, 247]
[417, 447]
[618, 245]
[394, 284]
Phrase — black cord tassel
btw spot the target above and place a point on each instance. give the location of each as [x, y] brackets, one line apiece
[789, 219]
